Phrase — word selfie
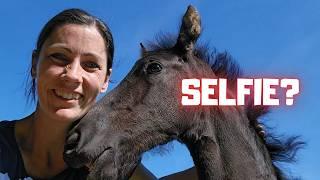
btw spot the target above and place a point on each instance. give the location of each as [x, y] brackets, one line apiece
[214, 92]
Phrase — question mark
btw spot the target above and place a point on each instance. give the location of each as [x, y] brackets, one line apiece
[294, 84]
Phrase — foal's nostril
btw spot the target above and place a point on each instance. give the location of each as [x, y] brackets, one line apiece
[72, 158]
[74, 138]
[70, 155]
[72, 141]
[69, 152]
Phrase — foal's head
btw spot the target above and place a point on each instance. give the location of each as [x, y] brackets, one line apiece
[145, 109]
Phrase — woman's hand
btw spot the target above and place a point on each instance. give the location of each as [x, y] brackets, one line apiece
[190, 174]
[142, 173]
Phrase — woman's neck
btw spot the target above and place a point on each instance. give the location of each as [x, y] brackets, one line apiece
[41, 142]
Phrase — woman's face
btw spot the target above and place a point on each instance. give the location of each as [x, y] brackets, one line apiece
[71, 71]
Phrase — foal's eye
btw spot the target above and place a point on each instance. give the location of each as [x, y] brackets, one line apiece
[154, 67]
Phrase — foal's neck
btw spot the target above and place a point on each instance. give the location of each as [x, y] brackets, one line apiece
[226, 148]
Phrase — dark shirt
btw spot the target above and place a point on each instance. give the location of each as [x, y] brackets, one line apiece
[11, 162]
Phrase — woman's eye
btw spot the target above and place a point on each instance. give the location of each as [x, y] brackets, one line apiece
[92, 65]
[59, 58]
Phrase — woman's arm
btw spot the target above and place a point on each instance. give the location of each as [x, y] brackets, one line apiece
[190, 174]
[142, 173]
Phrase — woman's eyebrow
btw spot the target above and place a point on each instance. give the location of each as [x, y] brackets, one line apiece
[62, 46]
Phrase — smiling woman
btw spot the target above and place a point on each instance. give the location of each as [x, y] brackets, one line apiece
[71, 65]
[71, 72]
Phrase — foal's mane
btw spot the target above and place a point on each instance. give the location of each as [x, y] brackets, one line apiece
[280, 148]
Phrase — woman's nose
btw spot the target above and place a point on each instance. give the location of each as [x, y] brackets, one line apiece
[74, 73]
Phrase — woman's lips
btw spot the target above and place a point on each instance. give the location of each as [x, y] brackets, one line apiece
[67, 95]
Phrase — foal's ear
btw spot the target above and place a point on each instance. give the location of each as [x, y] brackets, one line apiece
[189, 31]
[143, 50]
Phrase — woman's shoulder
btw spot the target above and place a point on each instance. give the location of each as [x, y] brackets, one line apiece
[7, 137]
[7, 124]
[11, 163]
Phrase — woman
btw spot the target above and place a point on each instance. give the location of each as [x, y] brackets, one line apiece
[71, 65]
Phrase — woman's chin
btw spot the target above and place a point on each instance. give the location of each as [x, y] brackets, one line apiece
[68, 115]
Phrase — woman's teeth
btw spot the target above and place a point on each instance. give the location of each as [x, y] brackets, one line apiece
[68, 96]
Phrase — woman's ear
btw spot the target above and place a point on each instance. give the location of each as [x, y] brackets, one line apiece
[105, 86]
[106, 83]
[35, 56]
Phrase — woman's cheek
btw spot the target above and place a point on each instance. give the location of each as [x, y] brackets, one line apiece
[92, 88]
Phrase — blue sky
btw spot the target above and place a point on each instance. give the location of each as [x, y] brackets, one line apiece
[267, 38]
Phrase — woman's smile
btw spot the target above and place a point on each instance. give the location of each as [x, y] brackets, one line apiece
[67, 95]
[66, 99]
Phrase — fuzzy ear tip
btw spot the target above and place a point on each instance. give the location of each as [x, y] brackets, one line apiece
[191, 7]
[191, 10]
[143, 49]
